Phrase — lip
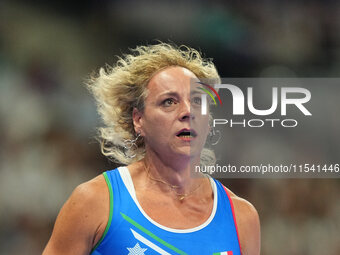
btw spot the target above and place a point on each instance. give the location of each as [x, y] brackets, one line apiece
[189, 138]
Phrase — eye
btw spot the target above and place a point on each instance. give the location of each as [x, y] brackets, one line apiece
[168, 102]
[197, 100]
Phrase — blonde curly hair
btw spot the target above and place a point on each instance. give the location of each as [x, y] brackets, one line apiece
[119, 88]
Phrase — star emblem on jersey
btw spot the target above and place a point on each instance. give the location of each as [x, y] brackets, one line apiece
[137, 250]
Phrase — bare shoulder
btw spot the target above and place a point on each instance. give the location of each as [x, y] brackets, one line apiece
[90, 198]
[248, 224]
[81, 220]
[243, 208]
[92, 192]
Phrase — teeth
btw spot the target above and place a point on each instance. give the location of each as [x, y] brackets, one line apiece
[187, 136]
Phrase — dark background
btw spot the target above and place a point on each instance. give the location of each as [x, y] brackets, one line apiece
[48, 119]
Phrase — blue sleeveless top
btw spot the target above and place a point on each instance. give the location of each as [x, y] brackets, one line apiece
[131, 231]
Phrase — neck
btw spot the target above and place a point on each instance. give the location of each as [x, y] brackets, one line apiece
[172, 173]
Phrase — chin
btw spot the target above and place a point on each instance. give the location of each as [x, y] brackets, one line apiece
[191, 152]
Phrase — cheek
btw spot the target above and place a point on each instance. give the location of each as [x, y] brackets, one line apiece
[205, 132]
[203, 123]
[156, 127]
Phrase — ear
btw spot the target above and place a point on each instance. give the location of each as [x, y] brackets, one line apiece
[137, 121]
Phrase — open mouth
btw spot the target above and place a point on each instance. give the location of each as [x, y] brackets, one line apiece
[186, 133]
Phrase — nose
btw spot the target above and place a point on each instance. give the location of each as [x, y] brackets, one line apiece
[185, 112]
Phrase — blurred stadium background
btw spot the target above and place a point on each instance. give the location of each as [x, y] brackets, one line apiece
[48, 119]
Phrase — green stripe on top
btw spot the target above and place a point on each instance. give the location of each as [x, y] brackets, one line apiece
[144, 230]
[208, 92]
[111, 211]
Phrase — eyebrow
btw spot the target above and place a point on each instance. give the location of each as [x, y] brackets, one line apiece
[175, 94]
[169, 93]
[196, 92]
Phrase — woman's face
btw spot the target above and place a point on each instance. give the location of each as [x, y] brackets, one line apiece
[171, 122]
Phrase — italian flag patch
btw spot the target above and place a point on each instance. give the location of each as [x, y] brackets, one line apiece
[223, 253]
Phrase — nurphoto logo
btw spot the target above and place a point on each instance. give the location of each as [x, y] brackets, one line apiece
[288, 96]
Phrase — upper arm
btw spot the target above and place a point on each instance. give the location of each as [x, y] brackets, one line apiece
[248, 224]
[81, 220]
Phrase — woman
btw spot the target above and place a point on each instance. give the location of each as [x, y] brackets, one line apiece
[154, 205]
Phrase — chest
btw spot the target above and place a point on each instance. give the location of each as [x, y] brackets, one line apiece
[172, 213]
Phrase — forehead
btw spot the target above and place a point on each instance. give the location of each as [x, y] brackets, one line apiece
[171, 79]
